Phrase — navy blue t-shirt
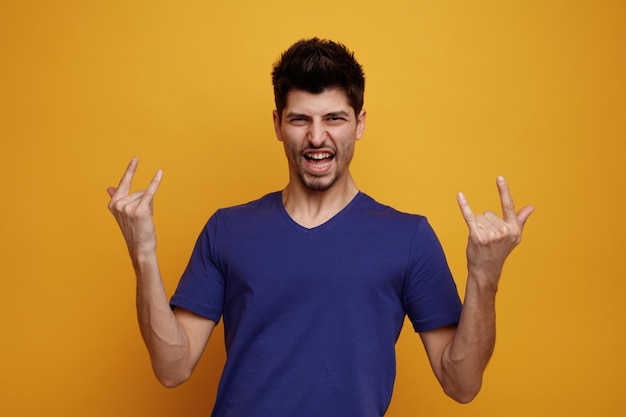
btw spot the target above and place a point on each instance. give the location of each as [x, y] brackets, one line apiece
[311, 316]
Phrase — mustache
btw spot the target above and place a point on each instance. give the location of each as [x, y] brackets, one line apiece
[323, 146]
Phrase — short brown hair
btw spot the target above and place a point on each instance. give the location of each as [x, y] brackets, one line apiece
[314, 65]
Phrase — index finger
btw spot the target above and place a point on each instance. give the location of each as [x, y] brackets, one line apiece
[127, 178]
[508, 206]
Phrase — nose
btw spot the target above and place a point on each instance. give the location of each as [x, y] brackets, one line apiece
[317, 133]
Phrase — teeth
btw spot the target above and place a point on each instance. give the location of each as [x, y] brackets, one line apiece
[318, 156]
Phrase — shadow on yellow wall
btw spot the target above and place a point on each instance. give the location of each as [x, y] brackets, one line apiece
[457, 94]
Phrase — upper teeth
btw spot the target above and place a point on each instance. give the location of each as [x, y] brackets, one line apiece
[318, 155]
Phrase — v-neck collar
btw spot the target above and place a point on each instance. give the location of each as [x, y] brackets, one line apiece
[328, 223]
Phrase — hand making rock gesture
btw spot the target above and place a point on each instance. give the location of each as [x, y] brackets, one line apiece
[491, 238]
[133, 211]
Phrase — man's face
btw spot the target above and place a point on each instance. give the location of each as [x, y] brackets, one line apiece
[318, 132]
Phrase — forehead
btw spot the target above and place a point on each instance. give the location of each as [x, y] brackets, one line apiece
[328, 101]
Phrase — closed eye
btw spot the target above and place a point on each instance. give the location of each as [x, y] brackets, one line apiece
[337, 117]
[335, 120]
[297, 121]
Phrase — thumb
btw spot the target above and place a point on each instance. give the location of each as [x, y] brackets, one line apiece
[524, 214]
[111, 191]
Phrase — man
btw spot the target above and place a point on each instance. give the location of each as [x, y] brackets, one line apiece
[313, 282]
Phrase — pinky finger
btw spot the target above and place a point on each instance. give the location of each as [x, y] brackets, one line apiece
[466, 211]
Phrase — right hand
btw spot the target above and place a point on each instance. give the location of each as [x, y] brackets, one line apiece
[133, 212]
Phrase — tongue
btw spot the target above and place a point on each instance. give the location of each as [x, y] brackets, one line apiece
[319, 163]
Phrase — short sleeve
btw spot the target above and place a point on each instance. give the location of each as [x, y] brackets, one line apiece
[201, 287]
[430, 295]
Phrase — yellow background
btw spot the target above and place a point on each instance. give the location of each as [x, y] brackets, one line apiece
[457, 93]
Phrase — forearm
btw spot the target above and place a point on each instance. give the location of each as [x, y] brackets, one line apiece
[467, 355]
[491, 240]
[164, 335]
[166, 340]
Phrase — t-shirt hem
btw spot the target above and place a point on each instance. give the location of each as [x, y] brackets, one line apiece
[447, 320]
[182, 302]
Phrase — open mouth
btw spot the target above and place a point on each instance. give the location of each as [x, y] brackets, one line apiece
[319, 157]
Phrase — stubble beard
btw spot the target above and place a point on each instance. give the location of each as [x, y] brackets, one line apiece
[315, 183]
[320, 182]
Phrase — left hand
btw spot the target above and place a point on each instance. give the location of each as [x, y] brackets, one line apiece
[491, 238]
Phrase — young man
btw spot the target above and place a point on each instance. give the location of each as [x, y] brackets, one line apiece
[313, 282]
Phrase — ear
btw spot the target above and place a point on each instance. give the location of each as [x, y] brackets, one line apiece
[360, 124]
[279, 135]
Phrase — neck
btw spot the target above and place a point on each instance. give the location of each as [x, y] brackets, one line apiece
[311, 208]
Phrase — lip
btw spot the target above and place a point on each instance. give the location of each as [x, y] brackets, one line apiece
[319, 161]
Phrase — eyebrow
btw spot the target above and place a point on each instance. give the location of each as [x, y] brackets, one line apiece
[294, 114]
[340, 113]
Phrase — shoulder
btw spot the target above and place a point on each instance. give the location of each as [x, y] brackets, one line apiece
[370, 219]
[268, 200]
[263, 212]
[263, 205]
[368, 207]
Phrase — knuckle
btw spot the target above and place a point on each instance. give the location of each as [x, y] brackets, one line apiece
[115, 206]
[481, 239]
[130, 211]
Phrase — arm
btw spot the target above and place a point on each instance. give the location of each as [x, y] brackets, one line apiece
[459, 354]
[175, 340]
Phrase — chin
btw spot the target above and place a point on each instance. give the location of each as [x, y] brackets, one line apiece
[318, 184]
